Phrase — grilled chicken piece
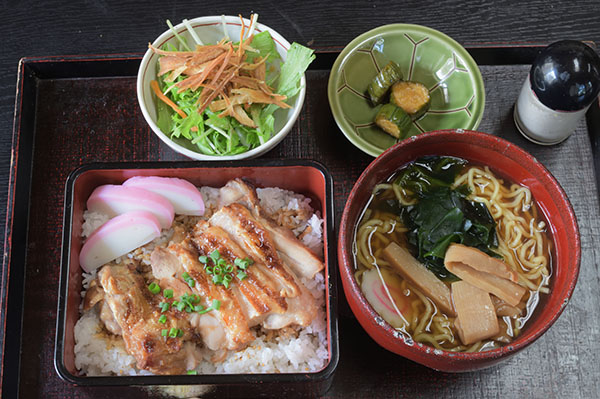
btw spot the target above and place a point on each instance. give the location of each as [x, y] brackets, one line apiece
[238, 222]
[234, 322]
[106, 316]
[241, 192]
[136, 312]
[212, 331]
[300, 307]
[292, 251]
[166, 267]
[259, 291]
[301, 310]
[93, 295]
[298, 257]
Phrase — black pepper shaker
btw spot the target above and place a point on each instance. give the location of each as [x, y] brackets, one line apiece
[563, 82]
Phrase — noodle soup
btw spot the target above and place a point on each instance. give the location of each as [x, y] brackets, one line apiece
[442, 213]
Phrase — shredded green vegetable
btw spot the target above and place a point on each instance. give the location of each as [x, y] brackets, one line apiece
[210, 134]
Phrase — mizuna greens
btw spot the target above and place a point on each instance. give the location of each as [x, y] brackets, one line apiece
[442, 214]
[221, 98]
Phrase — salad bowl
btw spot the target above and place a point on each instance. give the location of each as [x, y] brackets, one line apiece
[210, 30]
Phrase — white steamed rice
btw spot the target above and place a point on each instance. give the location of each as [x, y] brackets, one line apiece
[97, 353]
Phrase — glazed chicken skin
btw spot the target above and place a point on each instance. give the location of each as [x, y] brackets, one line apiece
[185, 259]
[295, 254]
[266, 292]
[136, 312]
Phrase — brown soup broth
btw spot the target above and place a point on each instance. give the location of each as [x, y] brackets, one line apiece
[380, 224]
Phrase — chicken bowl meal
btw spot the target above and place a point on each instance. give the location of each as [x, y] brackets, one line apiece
[182, 278]
[457, 250]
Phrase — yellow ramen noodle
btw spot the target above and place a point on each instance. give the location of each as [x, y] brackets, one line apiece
[523, 243]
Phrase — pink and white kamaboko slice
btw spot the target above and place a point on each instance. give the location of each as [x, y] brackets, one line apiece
[117, 237]
[183, 195]
[115, 200]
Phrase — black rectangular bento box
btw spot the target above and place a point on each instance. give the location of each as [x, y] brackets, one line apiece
[302, 176]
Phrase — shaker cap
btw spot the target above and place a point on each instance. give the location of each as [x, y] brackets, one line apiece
[565, 76]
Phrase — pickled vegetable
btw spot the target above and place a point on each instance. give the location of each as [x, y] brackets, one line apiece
[381, 84]
[393, 120]
[412, 97]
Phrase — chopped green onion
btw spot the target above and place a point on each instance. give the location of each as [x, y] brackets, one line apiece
[243, 263]
[216, 304]
[241, 275]
[168, 293]
[173, 332]
[175, 303]
[209, 270]
[154, 288]
[229, 268]
[221, 262]
[228, 277]
[225, 283]
[203, 259]
[179, 332]
[217, 279]
[214, 255]
[188, 279]
[164, 332]
[194, 298]
[162, 319]
[192, 372]
[217, 270]
[181, 306]
[198, 308]
[164, 306]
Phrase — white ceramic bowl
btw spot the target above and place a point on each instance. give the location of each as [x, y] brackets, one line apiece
[210, 30]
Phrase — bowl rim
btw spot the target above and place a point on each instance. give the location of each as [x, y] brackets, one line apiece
[334, 104]
[207, 21]
[331, 283]
[416, 351]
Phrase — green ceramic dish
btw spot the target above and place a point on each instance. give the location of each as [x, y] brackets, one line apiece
[424, 55]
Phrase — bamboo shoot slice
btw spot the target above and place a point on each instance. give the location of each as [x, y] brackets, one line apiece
[504, 289]
[476, 314]
[478, 260]
[412, 270]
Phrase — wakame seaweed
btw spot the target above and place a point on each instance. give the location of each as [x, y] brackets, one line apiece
[442, 214]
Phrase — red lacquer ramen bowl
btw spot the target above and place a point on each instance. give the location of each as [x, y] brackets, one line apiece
[507, 161]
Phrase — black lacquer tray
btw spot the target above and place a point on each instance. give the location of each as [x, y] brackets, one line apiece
[80, 109]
